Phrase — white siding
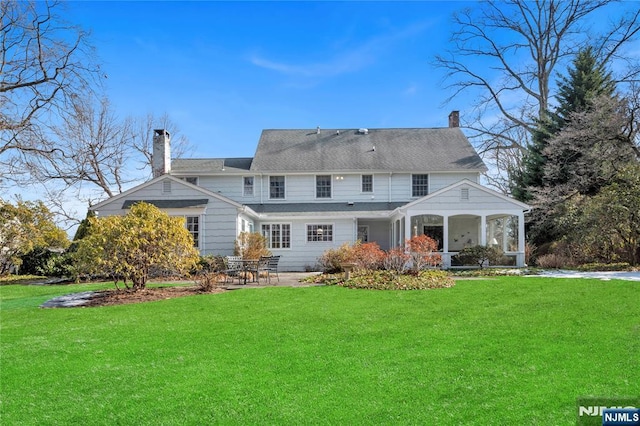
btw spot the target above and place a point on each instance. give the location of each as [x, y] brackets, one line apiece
[301, 188]
[219, 218]
[304, 254]
[449, 202]
[437, 181]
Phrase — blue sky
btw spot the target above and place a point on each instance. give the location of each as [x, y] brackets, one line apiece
[224, 71]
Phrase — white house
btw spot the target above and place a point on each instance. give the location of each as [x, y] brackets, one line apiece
[311, 190]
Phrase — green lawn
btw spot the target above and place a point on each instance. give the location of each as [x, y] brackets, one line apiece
[502, 351]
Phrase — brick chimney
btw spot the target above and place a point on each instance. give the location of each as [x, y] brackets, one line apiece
[454, 119]
[161, 156]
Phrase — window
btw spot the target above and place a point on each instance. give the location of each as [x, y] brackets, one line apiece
[278, 235]
[367, 183]
[247, 185]
[319, 233]
[192, 180]
[419, 185]
[276, 187]
[193, 226]
[323, 186]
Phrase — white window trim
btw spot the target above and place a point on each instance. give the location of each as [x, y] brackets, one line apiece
[315, 188]
[269, 187]
[306, 233]
[428, 184]
[269, 239]
[372, 184]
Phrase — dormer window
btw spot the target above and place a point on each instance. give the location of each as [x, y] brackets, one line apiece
[193, 180]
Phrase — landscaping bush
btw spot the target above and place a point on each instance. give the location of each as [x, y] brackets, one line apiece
[387, 280]
[396, 260]
[251, 245]
[44, 262]
[208, 273]
[367, 256]
[423, 252]
[331, 260]
[479, 256]
[620, 266]
[554, 261]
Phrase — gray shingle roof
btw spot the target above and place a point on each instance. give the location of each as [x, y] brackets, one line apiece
[323, 207]
[437, 149]
[168, 204]
[198, 165]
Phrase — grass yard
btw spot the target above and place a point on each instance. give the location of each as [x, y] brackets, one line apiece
[506, 351]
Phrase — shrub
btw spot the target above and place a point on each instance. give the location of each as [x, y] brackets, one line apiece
[423, 253]
[331, 260]
[396, 260]
[367, 256]
[620, 266]
[554, 261]
[387, 280]
[479, 255]
[251, 245]
[208, 272]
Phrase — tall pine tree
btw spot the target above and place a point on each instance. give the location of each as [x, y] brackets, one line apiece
[586, 81]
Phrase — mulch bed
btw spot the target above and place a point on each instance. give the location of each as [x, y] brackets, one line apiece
[121, 297]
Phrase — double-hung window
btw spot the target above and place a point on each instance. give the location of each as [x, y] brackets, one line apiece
[323, 186]
[276, 187]
[419, 185]
[193, 226]
[367, 183]
[247, 186]
[278, 235]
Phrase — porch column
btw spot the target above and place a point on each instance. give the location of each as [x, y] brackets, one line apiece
[521, 241]
[445, 232]
[408, 229]
[483, 230]
[446, 257]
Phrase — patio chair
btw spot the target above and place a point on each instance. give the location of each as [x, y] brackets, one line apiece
[233, 267]
[270, 265]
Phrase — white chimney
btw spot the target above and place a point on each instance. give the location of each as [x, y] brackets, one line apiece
[161, 156]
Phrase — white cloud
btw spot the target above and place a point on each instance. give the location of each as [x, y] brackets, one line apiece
[344, 61]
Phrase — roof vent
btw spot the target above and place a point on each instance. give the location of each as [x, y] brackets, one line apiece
[363, 131]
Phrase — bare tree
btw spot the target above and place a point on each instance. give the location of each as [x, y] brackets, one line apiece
[143, 142]
[93, 151]
[505, 54]
[43, 62]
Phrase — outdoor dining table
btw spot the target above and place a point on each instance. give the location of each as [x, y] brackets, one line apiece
[249, 265]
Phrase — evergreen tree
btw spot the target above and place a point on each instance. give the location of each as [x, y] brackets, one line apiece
[586, 80]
